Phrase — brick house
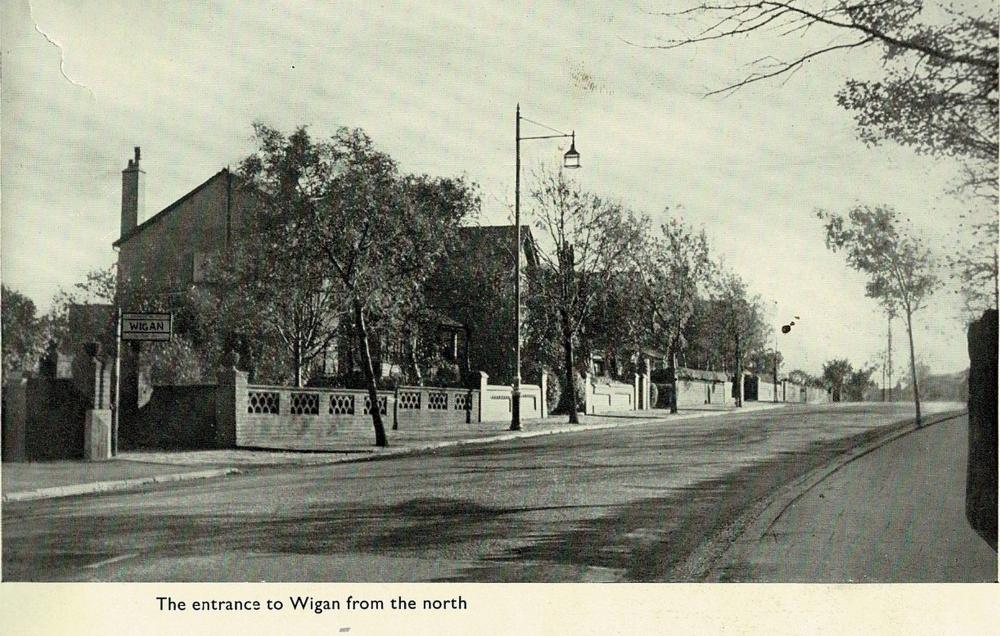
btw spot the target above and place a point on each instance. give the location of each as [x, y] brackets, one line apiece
[171, 249]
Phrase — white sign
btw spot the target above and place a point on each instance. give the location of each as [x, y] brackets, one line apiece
[147, 326]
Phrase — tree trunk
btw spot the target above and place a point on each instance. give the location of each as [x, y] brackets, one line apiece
[913, 363]
[413, 372]
[739, 366]
[569, 395]
[672, 374]
[369, 372]
[297, 355]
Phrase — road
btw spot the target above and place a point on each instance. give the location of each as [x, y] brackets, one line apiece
[825, 535]
[628, 504]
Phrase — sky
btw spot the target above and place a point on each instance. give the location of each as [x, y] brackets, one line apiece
[436, 85]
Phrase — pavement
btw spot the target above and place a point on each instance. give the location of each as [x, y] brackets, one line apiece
[630, 503]
[891, 512]
[138, 469]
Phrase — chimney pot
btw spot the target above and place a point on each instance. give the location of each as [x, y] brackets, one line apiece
[133, 194]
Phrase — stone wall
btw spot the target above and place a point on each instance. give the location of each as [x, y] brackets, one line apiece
[606, 396]
[496, 400]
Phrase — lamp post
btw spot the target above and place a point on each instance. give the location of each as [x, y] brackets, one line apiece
[570, 160]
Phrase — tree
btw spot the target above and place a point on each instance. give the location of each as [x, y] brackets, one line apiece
[976, 266]
[23, 334]
[835, 374]
[938, 92]
[798, 376]
[859, 384]
[900, 269]
[585, 241]
[939, 89]
[618, 324]
[741, 327]
[99, 286]
[290, 298]
[375, 232]
[674, 268]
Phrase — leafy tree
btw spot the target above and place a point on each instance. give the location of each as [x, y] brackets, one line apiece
[23, 333]
[292, 299]
[798, 376]
[938, 89]
[859, 384]
[375, 232]
[835, 374]
[976, 267]
[702, 335]
[99, 286]
[619, 322]
[740, 325]
[585, 240]
[937, 93]
[767, 361]
[899, 268]
[675, 267]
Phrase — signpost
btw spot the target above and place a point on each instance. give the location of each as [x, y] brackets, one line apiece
[151, 326]
[136, 327]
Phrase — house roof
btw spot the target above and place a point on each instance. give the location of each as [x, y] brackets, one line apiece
[162, 214]
[493, 238]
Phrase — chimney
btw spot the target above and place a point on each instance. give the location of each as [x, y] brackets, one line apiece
[133, 194]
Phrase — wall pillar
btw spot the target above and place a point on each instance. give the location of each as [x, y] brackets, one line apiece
[543, 382]
[588, 395]
[91, 374]
[230, 406]
[15, 420]
[97, 435]
[636, 388]
[647, 391]
[484, 380]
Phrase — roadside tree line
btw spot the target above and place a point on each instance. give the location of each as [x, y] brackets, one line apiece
[344, 245]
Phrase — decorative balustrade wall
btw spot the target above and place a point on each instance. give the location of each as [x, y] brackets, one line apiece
[260, 416]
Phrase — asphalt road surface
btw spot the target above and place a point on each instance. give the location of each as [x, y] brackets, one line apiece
[627, 504]
[896, 514]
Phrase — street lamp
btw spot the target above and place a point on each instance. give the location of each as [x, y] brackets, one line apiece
[570, 160]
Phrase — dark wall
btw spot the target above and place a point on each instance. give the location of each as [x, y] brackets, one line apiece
[174, 417]
[55, 418]
[981, 483]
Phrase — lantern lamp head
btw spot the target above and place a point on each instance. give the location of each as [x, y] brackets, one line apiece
[572, 158]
